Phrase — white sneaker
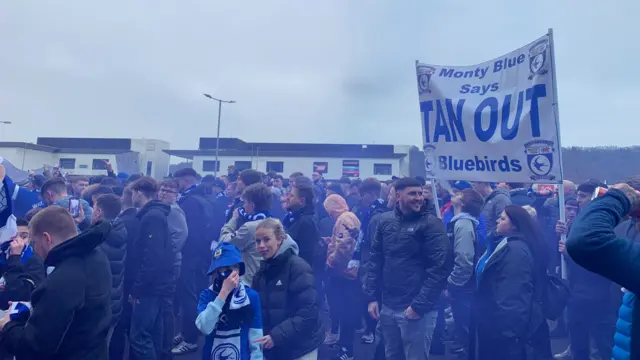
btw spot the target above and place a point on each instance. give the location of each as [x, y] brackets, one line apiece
[368, 338]
[178, 339]
[331, 338]
[184, 348]
[565, 355]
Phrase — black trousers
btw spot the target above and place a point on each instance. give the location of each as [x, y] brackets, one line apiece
[190, 284]
[346, 305]
[121, 331]
[591, 321]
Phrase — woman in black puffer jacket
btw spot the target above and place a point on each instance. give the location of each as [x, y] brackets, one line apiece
[285, 283]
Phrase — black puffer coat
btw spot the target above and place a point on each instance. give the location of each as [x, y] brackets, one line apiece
[115, 247]
[411, 258]
[290, 311]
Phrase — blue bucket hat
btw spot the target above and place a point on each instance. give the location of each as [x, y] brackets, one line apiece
[461, 185]
[226, 255]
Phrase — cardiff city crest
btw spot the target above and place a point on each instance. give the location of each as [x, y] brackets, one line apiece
[538, 58]
[540, 159]
[424, 78]
[225, 351]
[430, 160]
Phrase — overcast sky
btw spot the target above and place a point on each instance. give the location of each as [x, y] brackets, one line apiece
[301, 71]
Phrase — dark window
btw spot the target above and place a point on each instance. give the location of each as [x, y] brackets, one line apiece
[382, 169]
[243, 165]
[321, 167]
[67, 163]
[99, 164]
[149, 167]
[210, 165]
[275, 166]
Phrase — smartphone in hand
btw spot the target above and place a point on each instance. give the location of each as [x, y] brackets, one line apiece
[74, 207]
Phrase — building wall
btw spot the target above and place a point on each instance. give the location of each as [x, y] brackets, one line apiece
[303, 165]
[26, 159]
[151, 151]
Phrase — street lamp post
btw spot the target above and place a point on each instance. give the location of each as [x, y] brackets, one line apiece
[218, 133]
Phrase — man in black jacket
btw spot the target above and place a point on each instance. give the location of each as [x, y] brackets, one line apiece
[408, 273]
[196, 255]
[72, 307]
[153, 271]
[132, 225]
[107, 208]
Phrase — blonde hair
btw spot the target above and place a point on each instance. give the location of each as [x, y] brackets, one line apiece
[275, 225]
[532, 212]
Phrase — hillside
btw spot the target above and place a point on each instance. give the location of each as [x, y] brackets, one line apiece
[603, 163]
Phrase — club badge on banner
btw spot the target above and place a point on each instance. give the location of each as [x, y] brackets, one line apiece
[494, 121]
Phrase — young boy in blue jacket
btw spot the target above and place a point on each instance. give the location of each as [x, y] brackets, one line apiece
[229, 311]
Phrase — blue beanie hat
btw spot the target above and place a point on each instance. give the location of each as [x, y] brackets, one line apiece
[226, 255]
[461, 185]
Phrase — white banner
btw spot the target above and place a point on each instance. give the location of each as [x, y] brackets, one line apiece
[506, 103]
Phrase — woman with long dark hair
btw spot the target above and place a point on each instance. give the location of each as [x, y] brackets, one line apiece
[510, 324]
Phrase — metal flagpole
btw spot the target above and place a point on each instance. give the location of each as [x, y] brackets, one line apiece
[556, 113]
[434, 188]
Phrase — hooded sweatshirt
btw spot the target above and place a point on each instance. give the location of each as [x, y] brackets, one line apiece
[494, 206]
[344, 238]
[462, 231]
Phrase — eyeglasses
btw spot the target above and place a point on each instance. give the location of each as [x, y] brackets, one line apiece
[168, 191]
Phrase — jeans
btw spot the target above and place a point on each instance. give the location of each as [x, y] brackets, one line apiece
[346, 310]
[593, 321]
[406, 338]
[190, 284]
[461, 307]
[146, 331]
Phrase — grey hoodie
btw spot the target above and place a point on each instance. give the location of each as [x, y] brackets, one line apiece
[287, 244]
[464, 248]
[494, 206]
[177, 222]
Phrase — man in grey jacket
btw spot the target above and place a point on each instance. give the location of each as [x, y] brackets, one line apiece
[495, 200]
[177, 222]
[462, 229]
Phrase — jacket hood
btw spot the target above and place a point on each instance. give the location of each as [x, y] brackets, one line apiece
[496, 192]
[335, 205]
[287, 244]
[80, 245]
[464, 215]
[154, 204]
[118, 235]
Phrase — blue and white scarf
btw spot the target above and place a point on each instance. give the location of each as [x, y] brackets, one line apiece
[240, 298]
[253, 217]
[220, 195]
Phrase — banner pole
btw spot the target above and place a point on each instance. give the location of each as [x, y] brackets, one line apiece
[556, 114]
[434, 188]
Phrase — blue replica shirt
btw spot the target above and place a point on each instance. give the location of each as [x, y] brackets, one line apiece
[228, 336]
[23, 199]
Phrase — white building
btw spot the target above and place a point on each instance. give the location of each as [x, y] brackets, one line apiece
[85, 156]
[332, 160]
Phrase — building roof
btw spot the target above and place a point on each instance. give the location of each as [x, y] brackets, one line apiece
[66, 149]
[235, 147]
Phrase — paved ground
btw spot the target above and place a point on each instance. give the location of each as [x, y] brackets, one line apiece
[365, 352]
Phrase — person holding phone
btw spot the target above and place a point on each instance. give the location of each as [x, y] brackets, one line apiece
[54, 192]
[229, 313]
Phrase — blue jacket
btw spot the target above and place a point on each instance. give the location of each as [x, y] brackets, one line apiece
[210, 308]
[593, 244]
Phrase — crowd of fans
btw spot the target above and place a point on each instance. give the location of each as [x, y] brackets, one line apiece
[112, 265]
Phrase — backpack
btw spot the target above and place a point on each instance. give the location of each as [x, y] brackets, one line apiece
[555, 296]
[553, 292]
